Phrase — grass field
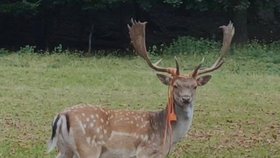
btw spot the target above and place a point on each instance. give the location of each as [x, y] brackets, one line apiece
[237, 114]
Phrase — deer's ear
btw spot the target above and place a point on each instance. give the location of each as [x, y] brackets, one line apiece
[164, 79]
[203, 80]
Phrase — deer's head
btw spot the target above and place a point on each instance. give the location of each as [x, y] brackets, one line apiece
[183, 87]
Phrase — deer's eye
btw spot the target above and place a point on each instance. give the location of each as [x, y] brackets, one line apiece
[194, 87]
[175, 86]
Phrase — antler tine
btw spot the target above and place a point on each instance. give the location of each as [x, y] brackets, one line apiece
[228, 32]
[194, 74]
[137, 36]
[177, 66]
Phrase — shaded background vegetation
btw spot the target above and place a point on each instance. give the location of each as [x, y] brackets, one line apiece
[48, 23]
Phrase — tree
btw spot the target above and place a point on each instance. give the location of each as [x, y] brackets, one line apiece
[237, 9]
[42, 18]
[19, 7]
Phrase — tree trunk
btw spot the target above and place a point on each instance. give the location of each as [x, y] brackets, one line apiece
[240, 23]
[90, 40]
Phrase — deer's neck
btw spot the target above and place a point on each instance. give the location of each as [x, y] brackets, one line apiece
[179, 128]
[183, 123]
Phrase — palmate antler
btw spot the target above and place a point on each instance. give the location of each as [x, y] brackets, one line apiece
[228, 32]
[138, 40]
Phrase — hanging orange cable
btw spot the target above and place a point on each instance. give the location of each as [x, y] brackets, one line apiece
[171, 115]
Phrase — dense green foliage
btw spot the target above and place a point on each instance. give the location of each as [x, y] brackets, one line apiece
[46, 23]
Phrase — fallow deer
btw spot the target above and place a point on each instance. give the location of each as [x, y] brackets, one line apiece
[87, 131]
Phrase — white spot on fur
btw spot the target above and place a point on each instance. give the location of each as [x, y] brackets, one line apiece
[144, 137]
[82, 127]
[118, 134]
[100, 142]
[88, 140]
[93, 142]
[100, 109]
[144, 124]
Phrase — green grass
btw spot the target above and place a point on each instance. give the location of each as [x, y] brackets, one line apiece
[237, 113]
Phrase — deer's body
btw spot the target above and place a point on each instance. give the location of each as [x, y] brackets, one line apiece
[95, 132]
[116, 133]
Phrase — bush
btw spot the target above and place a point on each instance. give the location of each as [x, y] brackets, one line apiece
[27, 49]
[190, 45]
[4, 51]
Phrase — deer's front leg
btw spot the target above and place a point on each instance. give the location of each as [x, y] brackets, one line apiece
[149, 151]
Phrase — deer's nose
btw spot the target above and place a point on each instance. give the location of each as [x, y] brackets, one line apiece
[186, 99]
